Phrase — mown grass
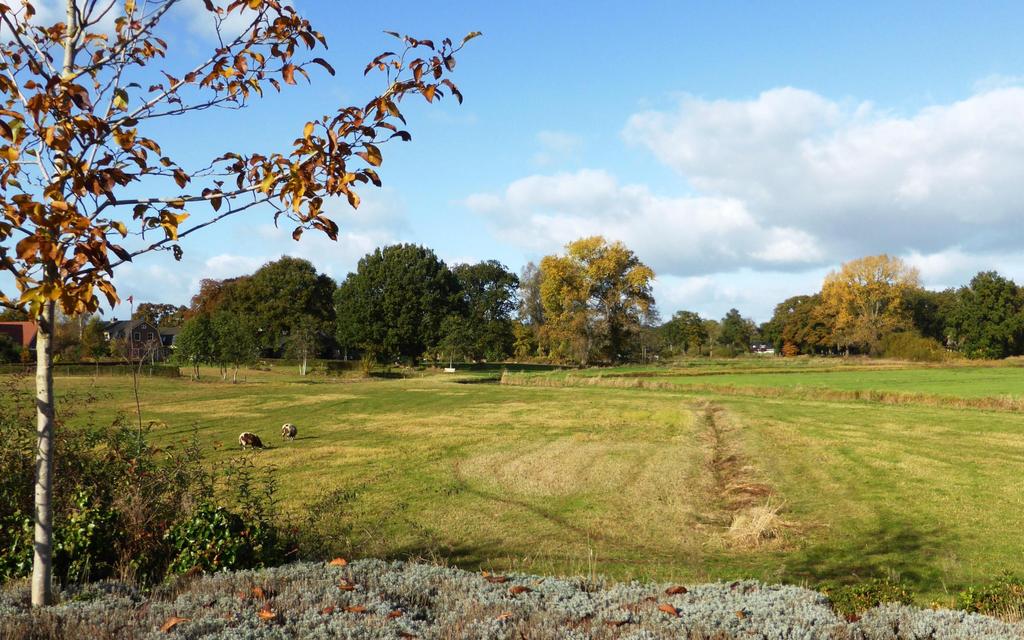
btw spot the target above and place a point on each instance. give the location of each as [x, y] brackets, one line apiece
[624, 482]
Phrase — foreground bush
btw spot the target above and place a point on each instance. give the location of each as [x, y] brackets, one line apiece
[127, 510]
[375, 599]
[914, 347]
[1003, 598]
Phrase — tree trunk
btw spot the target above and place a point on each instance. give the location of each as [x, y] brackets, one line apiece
[42, 563]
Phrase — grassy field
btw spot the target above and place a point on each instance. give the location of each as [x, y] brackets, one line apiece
[634, 483]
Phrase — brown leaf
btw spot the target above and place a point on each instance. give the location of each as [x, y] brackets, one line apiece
[505, 615]
[172, 622]
[616, 623]
[356, 608]
[669, 609]
[345, 585]
[338, 562]
[405, 634]
[328, 610]
[266, 613]
[288, 73]
[741, 614]
[674, 591]
[397, 613]
[516, 590]
[259, 593]
[496, 579]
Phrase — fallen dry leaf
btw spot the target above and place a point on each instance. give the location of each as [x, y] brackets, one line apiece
[338, 562]
[259, 593]
[616, 623]
[669, 609]
[496, 579]
[172, 622]
[505, 615]
[397, 613]
[405, 634]
[516, 590]
[741, 614]
[356, 608]
[328, 610]
[674, 591]
[345, 585]
[266, 614]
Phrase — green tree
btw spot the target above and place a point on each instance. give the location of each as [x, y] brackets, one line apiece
[94, 342]
[161, 315]
[304, 341]
[488, 300]
[395, 302]
[9, 352]
[930, 311]
[988, 318]
[279, 298]
[595, 298]
[736, 332]
[85, 187]
[234, 341]
[197, 343]
[685, 332]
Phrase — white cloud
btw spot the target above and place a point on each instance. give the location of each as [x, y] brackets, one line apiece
[860, 179]
[556, 147]
[680, 236]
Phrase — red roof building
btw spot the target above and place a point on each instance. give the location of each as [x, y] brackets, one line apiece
[21, 333]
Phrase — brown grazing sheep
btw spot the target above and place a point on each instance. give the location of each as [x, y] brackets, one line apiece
[250, 440]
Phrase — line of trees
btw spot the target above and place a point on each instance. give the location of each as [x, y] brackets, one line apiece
[590, 304]
[872, 306]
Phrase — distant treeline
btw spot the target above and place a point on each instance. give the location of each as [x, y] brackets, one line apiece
[590, 304]
[872, 306]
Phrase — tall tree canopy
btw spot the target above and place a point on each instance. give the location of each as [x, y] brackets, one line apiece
[280, 297]
[866, 297]
[161, 315]
[595, 298]
[85, 186]
[685, 332]
[736, 332]
[488, 300]
[987, 319]
[395, 302]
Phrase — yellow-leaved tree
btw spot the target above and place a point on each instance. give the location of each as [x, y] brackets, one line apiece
[865, 298]
[595, 298]
[86, 187]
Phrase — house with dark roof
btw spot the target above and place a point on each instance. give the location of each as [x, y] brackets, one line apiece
[135, 339]
[22, 334]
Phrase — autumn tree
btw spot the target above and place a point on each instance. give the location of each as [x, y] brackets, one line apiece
[85, 186]
[595, 298]
[866, 297]
[800, 324]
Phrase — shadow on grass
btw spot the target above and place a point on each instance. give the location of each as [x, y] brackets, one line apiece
[893, 548]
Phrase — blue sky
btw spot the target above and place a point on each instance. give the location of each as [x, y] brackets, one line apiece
[742, 149]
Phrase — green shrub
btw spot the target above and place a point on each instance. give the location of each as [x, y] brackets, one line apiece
[911, 346]
[124, 509]
[1003, 598]
[851, 600]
